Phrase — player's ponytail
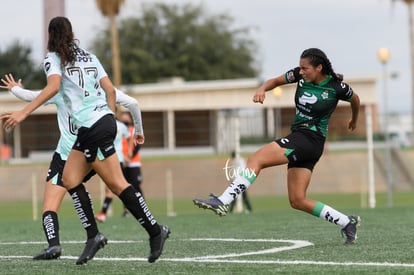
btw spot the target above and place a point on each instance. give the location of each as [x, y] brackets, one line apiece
[61, 40]
[317, 57]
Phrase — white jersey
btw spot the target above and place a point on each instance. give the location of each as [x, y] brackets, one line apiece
[80, 86]
[68, 130]
[121, 132]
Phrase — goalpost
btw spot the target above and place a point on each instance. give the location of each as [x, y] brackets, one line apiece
[34, 198]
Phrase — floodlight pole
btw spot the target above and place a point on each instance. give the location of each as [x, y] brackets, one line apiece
[370, 144]
[384, 57]
[411, 37]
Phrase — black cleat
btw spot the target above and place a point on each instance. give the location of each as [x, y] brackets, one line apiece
[92, 246]
[350, 230]
[50, 253]
[157, 243]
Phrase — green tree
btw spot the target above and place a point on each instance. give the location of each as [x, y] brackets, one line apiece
[16, 59]
[173, 40]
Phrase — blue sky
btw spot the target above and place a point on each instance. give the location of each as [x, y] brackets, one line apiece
[350, 32]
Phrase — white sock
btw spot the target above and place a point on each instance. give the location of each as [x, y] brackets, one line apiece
[238, 186]
[329, 214]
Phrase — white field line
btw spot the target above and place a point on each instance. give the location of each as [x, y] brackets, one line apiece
[293, 244]
[62, 242]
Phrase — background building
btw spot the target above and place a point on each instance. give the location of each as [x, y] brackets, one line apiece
[199, 114]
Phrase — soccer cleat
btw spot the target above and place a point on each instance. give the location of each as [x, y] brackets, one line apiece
[350, 230]
[157, 243]
[92, 246]
[213, 204]
[50, 253]
[101, 217]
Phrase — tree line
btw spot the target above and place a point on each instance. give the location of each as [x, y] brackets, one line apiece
[163, 41]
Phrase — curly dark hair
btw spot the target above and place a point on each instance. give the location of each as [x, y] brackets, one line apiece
[61, 40]
[318, 57]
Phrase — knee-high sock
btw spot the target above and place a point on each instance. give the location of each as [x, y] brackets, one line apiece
[51, 227]
[329, 214]
[83, 206]
[137, 206]
[238, 186]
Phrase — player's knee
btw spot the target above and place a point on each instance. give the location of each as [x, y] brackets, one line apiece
[296, 203]
[68, 182]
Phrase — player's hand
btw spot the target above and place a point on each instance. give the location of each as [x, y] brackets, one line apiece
[352, 125]
[139, 139]
[259, 96]
[12, 119]
[9, 82]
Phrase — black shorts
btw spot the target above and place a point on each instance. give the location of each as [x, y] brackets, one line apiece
[305, 147]
[56, 170]
[98, 140]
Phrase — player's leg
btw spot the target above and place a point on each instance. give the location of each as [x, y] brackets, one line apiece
[138, 178]
[53, 196]
[298, 182]
[97, 143]
[101, 217]
[126, 173]
[110, 172]
[133, 177]
[75, 170]
[269, 155]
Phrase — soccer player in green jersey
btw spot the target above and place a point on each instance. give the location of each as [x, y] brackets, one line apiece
[318, 91]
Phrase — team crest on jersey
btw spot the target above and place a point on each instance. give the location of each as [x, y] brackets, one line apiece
[325, 94]
[290, 76]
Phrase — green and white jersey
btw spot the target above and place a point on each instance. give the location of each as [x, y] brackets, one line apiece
[315, 103]
[80, 86]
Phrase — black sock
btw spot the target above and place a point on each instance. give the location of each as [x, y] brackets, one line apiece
[83, 206]
[137, 206]
[106, 204]
[137, 186]
[51, 227]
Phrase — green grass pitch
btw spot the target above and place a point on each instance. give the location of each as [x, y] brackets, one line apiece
[273, 239]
